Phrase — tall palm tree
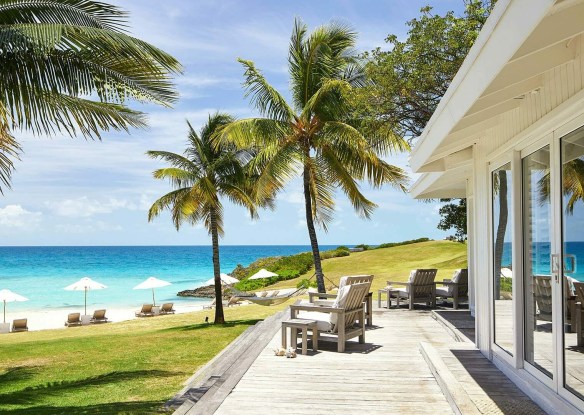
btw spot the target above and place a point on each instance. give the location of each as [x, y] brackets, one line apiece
[69, 67]
[205, 173]
[314, 137]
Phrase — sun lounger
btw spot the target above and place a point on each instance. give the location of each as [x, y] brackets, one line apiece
[98, 317]
[19, 325]
[210, 305]
[167, 308]
[73, 320]
[146, 311]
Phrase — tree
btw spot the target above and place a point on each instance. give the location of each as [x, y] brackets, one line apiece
[315, 136]
[205, 173]
[453, 215]
[68, 67]
[407, 81]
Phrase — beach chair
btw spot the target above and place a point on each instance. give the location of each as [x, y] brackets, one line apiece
[419, 288]
[73, 320]
[98, 317]
[455, 288]
[328, 299]
[210, 305]
[146, 311]
[233, 300]
[167, 308]
[342, 321]
[542, 295]
[19, 324]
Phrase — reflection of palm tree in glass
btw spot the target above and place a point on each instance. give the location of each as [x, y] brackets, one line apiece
[572, 183]
[500, 189]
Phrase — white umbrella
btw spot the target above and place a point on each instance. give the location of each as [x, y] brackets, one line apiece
[152, 283]
[506, 272]
[262, 273]
[85, 284]
[225, 280]
[8, 296]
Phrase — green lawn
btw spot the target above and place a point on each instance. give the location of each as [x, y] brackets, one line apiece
[393, 263]
[134, 367]
[130, 367]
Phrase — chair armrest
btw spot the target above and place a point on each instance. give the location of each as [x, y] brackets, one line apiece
[447, 282]
[320, 295]
[398, 282]
[312, 307]
[323, 303]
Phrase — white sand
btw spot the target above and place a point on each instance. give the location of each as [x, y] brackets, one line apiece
[55, 319]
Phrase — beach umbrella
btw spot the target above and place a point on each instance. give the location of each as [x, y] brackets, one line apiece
[262, 273]
[506, 272]
[152, 283]
[225, 280]
[8, 296]
[85, 284]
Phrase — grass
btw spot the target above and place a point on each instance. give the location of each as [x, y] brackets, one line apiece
[129, 367]
[393, 263]
[134, 367]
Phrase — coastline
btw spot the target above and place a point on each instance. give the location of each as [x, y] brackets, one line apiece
[55, 319]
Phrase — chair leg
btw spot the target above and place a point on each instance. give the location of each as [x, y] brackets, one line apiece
[284, 341]
[411, 298]
[341, 333]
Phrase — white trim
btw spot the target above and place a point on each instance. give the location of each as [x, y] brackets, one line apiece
[517, 259]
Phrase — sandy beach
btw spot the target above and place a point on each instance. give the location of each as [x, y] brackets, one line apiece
[55, 319]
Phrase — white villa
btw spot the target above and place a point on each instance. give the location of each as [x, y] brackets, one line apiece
[509, 136]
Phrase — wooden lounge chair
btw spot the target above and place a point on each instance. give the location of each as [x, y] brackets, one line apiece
[455, 288]
[146, 311]
[98, 317]
[578, 316]
[419, 288]
[233, 300]
[343, 320]
[542, 295]
[325, 299]
[73, 320]
[167, 308]
[19, 324]
[210, 305]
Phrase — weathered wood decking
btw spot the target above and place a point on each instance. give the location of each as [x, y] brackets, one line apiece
[387, 375]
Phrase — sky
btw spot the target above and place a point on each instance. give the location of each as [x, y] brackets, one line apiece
[75, 192]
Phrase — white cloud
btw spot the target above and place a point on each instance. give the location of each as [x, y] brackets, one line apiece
[84, 207]
[15, 216]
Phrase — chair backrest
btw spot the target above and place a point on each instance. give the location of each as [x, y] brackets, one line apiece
[542, 292]
[19, 323]
[146, 308]
[73, 317]
[355, 279]
[167, 307]
[579, 291]
[422, 281]
[461, 277]
[350, 298]
[99, 314]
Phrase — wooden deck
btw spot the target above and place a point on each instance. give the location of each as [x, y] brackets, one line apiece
[387, 375]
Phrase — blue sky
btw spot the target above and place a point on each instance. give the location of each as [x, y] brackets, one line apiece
[76, 192]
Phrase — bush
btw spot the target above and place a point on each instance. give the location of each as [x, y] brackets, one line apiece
[363, 247]
[334, 253]
[306, 283]
[392, 244]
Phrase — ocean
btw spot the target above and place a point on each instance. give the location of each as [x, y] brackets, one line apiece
[42, 273]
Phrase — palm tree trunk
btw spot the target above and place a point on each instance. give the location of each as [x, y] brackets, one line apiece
[312, 233]
[501, 227]
[219, 317]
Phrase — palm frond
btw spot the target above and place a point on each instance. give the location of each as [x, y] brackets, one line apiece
[329, 95]
[263, 96]
[9, 150]
[254, 132]
[74, 12]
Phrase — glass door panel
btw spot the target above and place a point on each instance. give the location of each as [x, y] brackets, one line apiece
[502, 247]
[572, 147]
[539, 334]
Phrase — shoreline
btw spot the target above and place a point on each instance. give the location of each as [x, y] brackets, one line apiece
[55, 319]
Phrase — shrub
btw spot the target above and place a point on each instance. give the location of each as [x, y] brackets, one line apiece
[363, 247]
[392, 244]
[334, 253]
[306, 283]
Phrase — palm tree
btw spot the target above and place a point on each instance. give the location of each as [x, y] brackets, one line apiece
[69, 67]
[315, 136]
[205, 173]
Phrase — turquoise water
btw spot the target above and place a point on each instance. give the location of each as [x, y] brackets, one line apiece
[42, 273]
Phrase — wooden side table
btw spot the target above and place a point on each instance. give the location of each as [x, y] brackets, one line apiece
[300, 324]
[389, 291]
